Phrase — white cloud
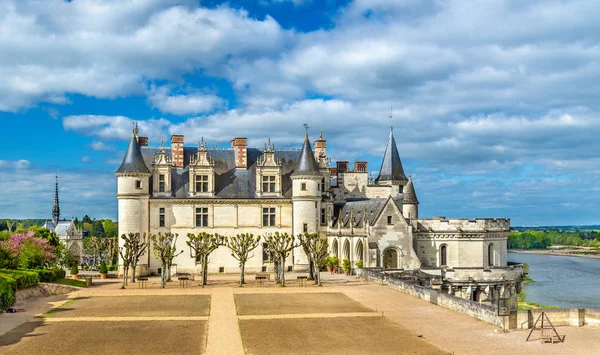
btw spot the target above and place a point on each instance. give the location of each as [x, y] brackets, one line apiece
[100, 146]
[18, 164]
[183, 104]
[111, 49]
[111, 127]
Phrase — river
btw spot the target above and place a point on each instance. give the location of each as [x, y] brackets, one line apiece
[564, 281]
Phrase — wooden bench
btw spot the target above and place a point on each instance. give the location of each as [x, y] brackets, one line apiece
[302, 280]
[265, 274]
[259, 280]
[183, 281]
[142, 282]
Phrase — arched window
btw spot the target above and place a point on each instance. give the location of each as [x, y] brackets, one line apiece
[346, 250]
[334, 248]
[359, 250]
[443, 255]
[491, 261]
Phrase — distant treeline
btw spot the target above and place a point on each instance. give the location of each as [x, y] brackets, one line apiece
[91, 227]
[536, 239]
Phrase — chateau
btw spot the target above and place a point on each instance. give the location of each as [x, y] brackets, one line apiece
[185, 190]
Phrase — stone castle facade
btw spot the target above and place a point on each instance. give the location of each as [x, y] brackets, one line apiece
[185, 190]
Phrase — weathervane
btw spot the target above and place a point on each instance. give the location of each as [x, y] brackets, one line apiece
[306, 127]
[391, 118]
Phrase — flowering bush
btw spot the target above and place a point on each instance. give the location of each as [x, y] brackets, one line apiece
[27, 251]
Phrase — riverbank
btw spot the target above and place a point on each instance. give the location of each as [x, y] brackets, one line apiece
[563, 250]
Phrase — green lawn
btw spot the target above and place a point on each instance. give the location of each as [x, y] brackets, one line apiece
[70, 282]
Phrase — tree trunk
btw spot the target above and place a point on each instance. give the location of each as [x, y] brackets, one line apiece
[282, 276]
[133, 273]
[311, 273]
[276, 269]
[169, 272]
[125, 271]
[242, 268]
[162, 276]
[204, 270]
[317, 275]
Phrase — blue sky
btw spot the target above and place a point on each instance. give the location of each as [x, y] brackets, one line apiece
[495, 103]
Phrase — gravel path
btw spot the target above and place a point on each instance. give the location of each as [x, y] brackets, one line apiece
[223, 330]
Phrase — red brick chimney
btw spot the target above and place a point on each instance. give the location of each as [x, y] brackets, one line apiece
[240, 152]
[320, 147]
[143, 141]
[360, 166]
[177, 150]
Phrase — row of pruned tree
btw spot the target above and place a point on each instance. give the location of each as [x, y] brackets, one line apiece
[241, 246]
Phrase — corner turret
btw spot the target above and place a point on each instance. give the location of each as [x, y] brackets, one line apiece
[410, 203]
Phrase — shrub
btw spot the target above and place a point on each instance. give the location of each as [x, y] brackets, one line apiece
[23, 278]
[29, 251]
[8, 289]
[359, 264]
[346, 265]
[74, 270]
[113, 267]
[103, 269]
[7, 258]
[50, 275]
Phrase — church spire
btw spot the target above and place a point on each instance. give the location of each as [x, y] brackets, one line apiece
[391, 167]
[55, 206]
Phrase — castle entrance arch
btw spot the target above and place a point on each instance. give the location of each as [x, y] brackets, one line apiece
[390, 258]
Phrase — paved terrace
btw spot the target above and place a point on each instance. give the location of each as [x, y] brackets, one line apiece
[345, 316]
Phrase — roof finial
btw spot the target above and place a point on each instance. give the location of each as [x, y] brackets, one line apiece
[162, 143]
[269, 142]
[391, 119]
[321, 135]
[136, 130]
[306, 128]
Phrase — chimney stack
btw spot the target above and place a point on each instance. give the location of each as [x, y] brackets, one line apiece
[320, 147]
[143, 141]
[177, 150]
[360, 166]
[240, 152]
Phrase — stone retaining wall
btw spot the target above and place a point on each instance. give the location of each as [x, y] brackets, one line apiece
[481, 311]
[42, 290]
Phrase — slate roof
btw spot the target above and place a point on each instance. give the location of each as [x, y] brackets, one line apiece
[60, 228]
[410, 196]
[229, 181]
[391, 166]
[344, 210]
[133, 162]
[307, 166]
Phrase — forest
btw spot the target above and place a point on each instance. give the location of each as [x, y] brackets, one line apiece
[542, 239]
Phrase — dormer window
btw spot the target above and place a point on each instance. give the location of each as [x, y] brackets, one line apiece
[201, 183]
[161, 183]
[268, 184]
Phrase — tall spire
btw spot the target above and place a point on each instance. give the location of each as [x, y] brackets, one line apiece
[391, 166]
[307, 164]
[133, 162]
[55, 206]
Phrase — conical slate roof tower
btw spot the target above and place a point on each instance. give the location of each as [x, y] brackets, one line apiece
[133, 161]
[391, 167]
[307, 166]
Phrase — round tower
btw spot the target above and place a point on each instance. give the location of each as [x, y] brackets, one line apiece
[133, 190]
[306, 199]
[410, 203]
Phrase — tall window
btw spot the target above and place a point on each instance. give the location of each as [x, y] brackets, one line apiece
[389, 220]
[161, 183]
[268, 183]
[303, 186]
[491, 254]
[323, 220]
[201, 183]
[305, 228]
[138, 184]
[443, 256]
[269, 216]
[202, 217]
[323, 184]
[161, 217]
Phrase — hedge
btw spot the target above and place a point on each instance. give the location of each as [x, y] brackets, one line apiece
[50, 275]
[8, 289]
[24, 278]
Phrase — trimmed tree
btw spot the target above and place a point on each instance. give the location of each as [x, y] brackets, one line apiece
[241, 246]
[138, 245]
[126, 253]
[203, 244]
[316, 250]
[164, 246]
[280, 245]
